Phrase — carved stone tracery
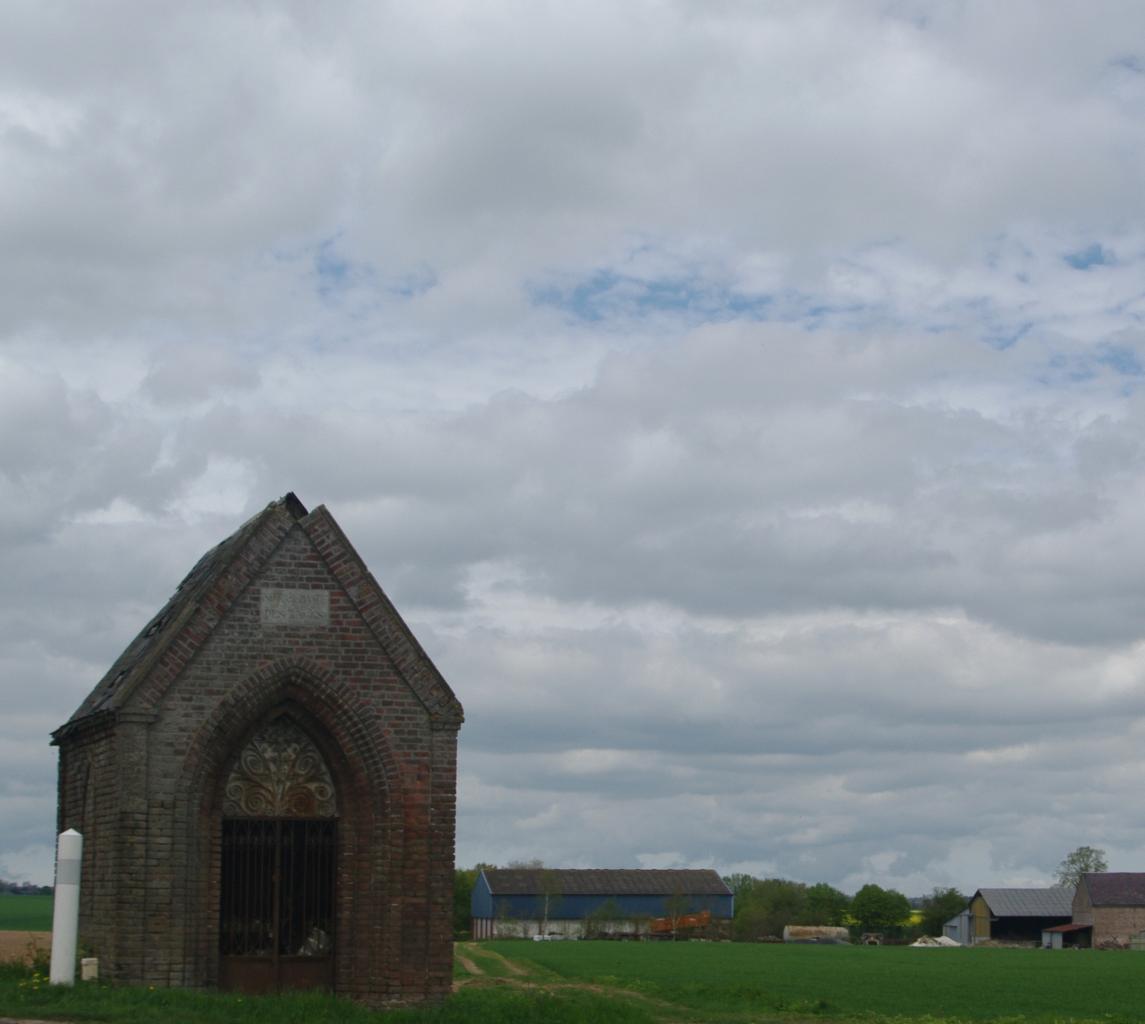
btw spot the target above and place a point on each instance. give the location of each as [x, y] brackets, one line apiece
[280, 774]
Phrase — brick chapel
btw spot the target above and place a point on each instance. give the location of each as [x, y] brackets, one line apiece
[266, 781]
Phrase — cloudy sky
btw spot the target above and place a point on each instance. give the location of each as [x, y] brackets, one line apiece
[743, 402]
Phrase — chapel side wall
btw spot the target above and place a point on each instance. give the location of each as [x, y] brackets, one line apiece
[427, 875]
[133, 845]
[442, 826]
[88, 802]
[385, 957]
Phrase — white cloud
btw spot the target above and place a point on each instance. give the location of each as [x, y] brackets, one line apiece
[742, 402]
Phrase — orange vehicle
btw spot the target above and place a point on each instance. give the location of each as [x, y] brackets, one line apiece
[685, 922]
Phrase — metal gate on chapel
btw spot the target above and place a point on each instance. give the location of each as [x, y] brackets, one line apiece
[278, 866]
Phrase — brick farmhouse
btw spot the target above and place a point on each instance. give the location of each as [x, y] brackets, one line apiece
[1112, 905]
[266, 781]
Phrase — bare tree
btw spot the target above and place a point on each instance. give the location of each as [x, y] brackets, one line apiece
[549, 896]
[675, 907]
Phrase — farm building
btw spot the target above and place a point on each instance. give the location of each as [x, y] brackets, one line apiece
[1018, 915]
[958, 927]
[1111, 905]
[265, 780]
[511, 902]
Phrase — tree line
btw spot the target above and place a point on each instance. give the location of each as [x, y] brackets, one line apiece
[25, 888]
[765, 906]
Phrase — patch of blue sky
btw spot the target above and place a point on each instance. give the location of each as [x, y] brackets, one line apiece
[618, 298]
[1063, 369]
[1121, 359]
[338, 277]
[814, 314]
[1006, 336]
[1071, 369]
[333, 271]
[1094, 255]
[413, 283]
[608, 295]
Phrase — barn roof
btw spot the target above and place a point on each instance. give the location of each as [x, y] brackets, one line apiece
[1054, 902]
[214, 582]
[605, 881]
[1116, 888]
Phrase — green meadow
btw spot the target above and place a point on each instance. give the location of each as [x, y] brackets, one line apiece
[749, 981]
[25, 913]
[672, 983]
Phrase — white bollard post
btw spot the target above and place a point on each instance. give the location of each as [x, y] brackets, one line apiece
[66, 911]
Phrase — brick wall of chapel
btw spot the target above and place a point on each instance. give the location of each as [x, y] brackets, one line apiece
[89, 803]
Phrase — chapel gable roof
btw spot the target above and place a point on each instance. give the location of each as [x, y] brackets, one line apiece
[203, 597]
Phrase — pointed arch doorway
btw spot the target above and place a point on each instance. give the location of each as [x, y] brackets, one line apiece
[278, 865]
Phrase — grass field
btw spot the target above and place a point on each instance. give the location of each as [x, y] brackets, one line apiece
[855, 981]
[25, 913]
[24, 995]
[666, 983]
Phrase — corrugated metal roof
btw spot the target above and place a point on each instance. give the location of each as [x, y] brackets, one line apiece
[1116, 888]
[1055, 902]
[605, 882]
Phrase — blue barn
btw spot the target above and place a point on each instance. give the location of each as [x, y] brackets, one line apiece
[572, 903]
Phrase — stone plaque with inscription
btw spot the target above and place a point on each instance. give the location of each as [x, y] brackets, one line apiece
[281, 607]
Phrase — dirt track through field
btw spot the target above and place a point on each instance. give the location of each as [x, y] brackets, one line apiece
[520, 978]
[510, 966]
[19, 945]
[468, 964]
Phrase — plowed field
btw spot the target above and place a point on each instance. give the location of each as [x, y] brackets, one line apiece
[19, 945]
